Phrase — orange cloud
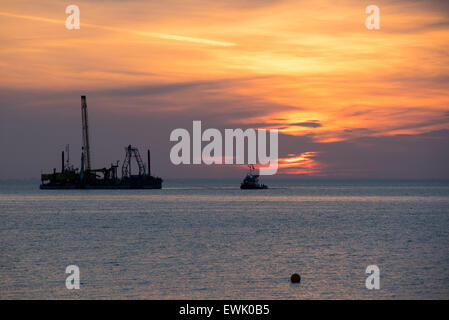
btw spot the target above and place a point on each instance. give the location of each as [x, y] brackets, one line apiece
[304, 163]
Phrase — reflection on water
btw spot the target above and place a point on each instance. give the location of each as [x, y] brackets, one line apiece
[203, 239]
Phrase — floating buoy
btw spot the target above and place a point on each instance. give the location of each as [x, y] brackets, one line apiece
[295, 278]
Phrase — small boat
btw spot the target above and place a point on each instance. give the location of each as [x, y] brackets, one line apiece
[251, 180]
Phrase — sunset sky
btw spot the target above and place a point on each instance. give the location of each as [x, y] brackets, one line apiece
[348, 101]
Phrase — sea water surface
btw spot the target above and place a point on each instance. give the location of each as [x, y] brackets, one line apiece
[210, 240]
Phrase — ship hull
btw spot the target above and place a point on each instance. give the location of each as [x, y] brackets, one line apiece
[133, 183]
[75, 187]
[253, 187]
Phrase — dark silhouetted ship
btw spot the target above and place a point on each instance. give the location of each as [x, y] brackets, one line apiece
[105, 178]
[251, 180]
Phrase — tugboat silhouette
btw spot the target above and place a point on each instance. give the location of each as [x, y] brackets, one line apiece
[251, 180]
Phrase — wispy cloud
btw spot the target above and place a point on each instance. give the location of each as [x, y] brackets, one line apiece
[135, 32]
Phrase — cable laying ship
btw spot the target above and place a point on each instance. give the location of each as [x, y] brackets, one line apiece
[251, 180]
[105, 178]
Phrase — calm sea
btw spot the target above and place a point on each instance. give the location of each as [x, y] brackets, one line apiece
[210, 240]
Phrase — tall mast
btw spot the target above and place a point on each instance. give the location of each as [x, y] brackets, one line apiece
[149, 162]
[86, 147]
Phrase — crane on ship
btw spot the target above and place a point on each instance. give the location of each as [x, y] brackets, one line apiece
[132, 152]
